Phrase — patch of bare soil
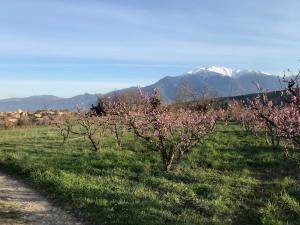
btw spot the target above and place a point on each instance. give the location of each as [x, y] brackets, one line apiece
[20, 205]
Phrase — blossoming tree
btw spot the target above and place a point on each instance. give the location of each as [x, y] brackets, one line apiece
[172, 133]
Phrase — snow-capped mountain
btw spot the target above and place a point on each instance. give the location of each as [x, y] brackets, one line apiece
[215, 69]
[216, 81]
[224, 71]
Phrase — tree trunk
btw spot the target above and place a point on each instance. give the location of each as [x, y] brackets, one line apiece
[266, 137]
[168, 160]
[167, 166]
[96, 145]
[118, 141]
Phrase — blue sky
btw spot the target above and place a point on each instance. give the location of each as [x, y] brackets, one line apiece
[69, 47]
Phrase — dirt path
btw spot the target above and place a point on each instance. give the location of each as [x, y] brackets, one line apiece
[20, 205]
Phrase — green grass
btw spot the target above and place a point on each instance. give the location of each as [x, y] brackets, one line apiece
[232, 178]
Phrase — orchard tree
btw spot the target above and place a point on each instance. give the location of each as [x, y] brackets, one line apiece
[65, 126]
[84, 124]
[116, 110]
[283, 121]
[172, 133]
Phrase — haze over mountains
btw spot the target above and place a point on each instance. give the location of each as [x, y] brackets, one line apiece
[47, 102]
[216, 81]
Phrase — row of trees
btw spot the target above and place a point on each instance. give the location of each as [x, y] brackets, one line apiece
[279, 122]
[170, 131]
[174, 130]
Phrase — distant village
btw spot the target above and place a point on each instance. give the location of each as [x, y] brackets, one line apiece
[22, 118]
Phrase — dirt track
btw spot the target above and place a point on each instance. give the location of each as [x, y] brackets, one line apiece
[20, 205]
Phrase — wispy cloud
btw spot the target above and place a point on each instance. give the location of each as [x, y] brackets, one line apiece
[124, 31]
[140, 41]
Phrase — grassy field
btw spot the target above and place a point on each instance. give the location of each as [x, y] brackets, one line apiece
[233, 178]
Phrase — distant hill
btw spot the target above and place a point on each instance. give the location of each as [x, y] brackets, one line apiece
[47, 102]
[274, 96]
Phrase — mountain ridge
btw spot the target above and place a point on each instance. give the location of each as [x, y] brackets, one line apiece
[216, 81]
[37, 102]
[219, 81]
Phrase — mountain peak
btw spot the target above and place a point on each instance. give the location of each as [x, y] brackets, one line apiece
[224, 71]
[221, 70]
